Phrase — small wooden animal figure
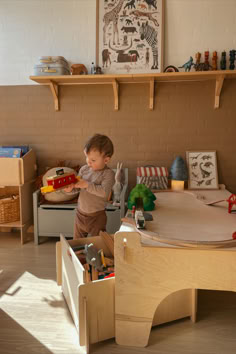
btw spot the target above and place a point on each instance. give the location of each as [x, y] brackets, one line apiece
[232, 59]
[223, 61]
[214, 60]
[78, 69]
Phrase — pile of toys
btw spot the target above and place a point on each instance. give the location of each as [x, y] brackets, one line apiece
[96, 264]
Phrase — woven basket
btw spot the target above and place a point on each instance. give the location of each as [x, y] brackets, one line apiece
[9, 209]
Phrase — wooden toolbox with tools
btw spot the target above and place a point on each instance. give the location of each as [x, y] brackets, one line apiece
[91, 303]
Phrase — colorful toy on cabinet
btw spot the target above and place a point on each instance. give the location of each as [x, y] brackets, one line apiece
[223, 61]
[59, 181]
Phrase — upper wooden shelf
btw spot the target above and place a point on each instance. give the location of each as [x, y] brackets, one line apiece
[114, 80]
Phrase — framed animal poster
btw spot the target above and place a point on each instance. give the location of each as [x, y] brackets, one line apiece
[202, 169]
[130, 36]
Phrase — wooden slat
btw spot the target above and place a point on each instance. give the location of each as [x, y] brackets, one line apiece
[108, 240]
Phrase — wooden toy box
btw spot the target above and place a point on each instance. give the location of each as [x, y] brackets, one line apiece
[17, 171]
[92, 305]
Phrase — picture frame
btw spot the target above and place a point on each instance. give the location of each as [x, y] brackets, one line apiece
[202, 169]
[129, 36]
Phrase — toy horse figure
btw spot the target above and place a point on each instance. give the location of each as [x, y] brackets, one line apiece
[117, 188]
[187, 66]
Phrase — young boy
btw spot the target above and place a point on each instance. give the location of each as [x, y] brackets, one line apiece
[96, 182]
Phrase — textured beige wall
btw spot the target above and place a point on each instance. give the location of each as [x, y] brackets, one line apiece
[183, 119]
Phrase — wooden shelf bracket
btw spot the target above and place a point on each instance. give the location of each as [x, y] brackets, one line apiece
[54, 89]
[116, 94]
[219, 85]
[151, 97]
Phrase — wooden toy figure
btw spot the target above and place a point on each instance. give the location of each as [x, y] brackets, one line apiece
[214, 60]
[223, 61]
[197, 65]
[198, 58]
[207, 65]
[232, 59]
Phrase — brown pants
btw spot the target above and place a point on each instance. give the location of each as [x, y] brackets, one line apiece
[89, 223]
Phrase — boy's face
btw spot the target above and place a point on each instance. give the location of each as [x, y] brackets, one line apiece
[96, 160]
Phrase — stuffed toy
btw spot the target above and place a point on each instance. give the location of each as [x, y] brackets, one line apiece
[117, 188]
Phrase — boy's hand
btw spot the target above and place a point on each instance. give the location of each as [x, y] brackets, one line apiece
[81, 184]
[69, 188]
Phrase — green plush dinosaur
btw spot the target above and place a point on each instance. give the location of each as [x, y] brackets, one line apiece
[141, 191]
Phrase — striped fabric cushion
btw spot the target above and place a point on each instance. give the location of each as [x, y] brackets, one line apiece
[153, 177]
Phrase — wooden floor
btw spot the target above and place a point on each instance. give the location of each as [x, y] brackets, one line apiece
[34, 317]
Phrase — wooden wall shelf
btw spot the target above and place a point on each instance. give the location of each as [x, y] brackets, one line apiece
[115, 80]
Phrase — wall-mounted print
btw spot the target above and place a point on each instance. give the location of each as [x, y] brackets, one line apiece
[130, 36]
[202, 169]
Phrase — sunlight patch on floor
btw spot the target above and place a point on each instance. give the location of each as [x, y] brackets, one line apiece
[39, 302]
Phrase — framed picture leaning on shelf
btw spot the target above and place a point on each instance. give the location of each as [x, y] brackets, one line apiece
[129, 36]
[202, 169]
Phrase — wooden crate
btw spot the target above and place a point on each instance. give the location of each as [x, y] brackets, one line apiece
[92, 305]
[17, 171]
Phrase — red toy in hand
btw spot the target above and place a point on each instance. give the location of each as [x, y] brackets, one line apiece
[234, 235]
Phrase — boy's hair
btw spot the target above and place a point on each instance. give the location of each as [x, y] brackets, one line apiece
[101, 143]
